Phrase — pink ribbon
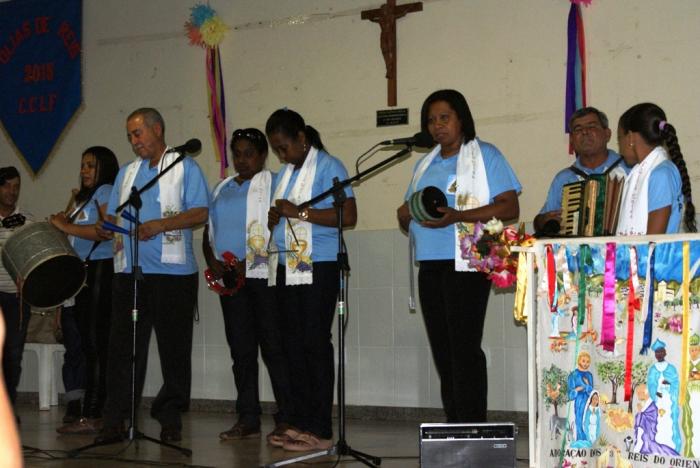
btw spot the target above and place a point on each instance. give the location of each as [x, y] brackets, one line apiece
[632, 306]
[607, 335]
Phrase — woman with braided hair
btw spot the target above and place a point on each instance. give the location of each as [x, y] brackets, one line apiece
[649, 143]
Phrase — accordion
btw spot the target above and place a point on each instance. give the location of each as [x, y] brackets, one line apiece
[591, 207]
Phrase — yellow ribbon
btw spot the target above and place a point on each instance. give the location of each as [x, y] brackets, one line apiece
[519, 312]
[521, 305]
[686, 321]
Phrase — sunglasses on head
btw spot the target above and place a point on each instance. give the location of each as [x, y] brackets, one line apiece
[249, 133]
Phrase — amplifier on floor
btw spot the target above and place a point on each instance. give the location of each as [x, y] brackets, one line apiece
[467, 445]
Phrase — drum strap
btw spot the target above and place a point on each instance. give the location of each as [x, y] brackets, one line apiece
[92, 249]
[75, 213]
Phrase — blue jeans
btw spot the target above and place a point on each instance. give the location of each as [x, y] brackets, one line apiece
[73, 360]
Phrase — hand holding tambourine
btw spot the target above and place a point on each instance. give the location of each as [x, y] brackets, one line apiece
[228, 282]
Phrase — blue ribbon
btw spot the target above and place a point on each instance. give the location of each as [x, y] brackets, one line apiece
[646, 338]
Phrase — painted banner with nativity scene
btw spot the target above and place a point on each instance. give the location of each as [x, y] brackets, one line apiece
[619, 352]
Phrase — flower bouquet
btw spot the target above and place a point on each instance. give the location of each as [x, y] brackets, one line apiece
[488, 249]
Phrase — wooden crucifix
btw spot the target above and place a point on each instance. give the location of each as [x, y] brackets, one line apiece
[386, 17]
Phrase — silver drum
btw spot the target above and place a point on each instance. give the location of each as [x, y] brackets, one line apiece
[43, 264]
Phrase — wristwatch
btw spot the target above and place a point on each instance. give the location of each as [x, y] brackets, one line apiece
[304, 214]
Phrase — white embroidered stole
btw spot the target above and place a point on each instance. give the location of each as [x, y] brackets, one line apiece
[634, 206]
[171, 194]
[299, 243]
[257, 233]
[472, 189]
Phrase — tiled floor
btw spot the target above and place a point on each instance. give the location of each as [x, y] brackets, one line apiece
[395, 442]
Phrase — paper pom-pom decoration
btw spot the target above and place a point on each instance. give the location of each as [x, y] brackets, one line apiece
[194, 34]
[205, 28]
[213, 31]
[200, 14]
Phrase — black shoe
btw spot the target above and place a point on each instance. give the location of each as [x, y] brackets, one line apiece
[110, 435]
[240, 431]
[73, 411]
[170, 434]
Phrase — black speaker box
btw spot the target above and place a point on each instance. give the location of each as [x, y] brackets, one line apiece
[484, 445]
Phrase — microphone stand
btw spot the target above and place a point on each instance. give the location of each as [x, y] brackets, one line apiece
[133, 434]
[342, 447]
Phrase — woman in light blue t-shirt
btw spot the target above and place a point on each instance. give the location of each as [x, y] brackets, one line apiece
[251, 315]
[307, 284]
[86, 325]
[453, 300]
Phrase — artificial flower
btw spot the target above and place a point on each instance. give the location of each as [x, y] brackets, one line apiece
[488, 250]
[494, 226]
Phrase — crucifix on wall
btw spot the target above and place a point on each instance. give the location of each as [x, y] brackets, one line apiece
[386, 17]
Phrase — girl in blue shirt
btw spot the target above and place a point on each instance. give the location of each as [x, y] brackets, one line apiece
[86, 325]
[644, 136]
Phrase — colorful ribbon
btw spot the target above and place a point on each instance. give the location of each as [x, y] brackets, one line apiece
[649, 298]
[632, 306]
[217, 106]
[607, 335]
[551, 278]
[520, 306]
[563, 269]
[584, 257]
[685, 288]
[575, 65]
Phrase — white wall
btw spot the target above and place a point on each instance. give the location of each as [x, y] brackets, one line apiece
[318, 57]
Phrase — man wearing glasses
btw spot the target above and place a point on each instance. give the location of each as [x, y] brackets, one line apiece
[589, 136]
[167, 290]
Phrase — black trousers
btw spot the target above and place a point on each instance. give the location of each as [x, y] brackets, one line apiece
[454, 308]
[92, 313]
[308, 312]
[166, 304]
[16, 320]
[252, 320]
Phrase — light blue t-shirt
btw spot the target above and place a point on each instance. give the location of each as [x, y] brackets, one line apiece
[196, 195]
[566, 176]
[228, 212]
[325, 238]
[439, 243]
[665, 189]
[89, 215]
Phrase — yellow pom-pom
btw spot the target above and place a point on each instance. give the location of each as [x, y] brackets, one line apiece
[213, 31]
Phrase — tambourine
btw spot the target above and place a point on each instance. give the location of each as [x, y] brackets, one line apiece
[230, 282]
[423, 204]
[13, 221]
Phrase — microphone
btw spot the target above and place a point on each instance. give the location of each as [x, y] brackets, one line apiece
[423, 140]
[192, 146]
